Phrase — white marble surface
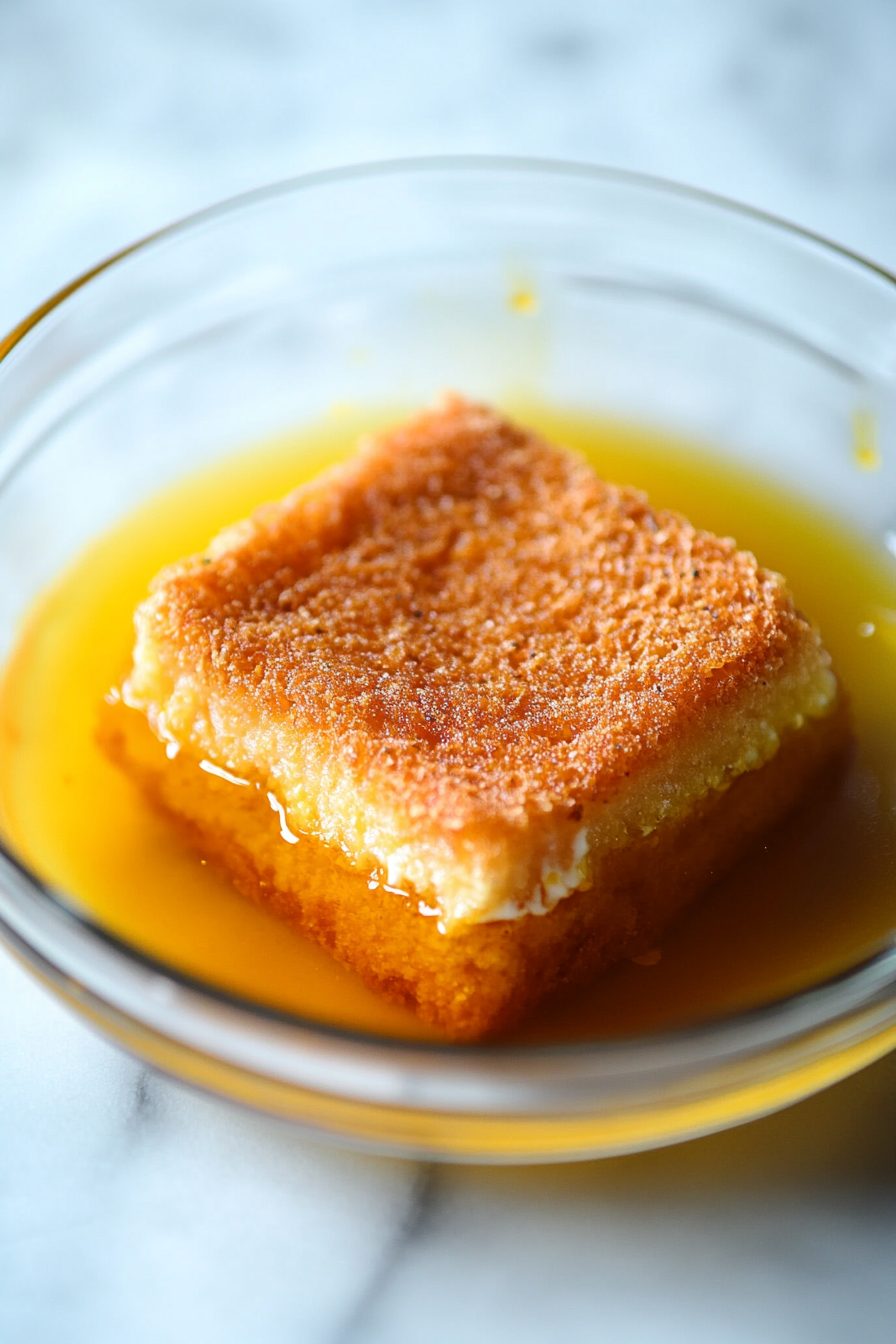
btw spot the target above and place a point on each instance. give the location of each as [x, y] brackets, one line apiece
[131, 1208]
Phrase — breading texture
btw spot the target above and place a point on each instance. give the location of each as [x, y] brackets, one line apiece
[473, 615]
[505, 696]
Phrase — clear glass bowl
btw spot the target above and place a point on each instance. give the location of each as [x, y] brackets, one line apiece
[644, 301]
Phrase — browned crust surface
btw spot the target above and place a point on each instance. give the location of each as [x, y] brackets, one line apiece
[470, 616]
[487, 977]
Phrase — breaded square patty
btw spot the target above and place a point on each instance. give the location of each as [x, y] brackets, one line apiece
[477, 721]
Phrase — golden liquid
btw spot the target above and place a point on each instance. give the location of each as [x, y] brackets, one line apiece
[818, 895]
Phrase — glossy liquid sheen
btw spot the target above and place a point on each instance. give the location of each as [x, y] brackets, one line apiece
[817, 895]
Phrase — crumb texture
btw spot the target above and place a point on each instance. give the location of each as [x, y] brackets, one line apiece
[461, 686]
[470, 617]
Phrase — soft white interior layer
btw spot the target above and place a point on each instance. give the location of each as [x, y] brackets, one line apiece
[487, 871]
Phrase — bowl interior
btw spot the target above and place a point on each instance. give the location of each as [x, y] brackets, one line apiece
[327, 300]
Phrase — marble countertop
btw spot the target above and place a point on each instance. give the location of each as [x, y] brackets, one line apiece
[132, 1208]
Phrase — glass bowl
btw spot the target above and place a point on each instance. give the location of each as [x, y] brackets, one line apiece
[597, 291]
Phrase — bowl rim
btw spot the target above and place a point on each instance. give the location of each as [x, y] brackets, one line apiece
[425, 163]
[867, 978]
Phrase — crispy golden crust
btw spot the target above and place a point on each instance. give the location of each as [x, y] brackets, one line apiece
[473, 617]
[488, 977]
[463, 633]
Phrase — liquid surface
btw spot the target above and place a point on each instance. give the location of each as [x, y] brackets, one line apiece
[816, 896]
